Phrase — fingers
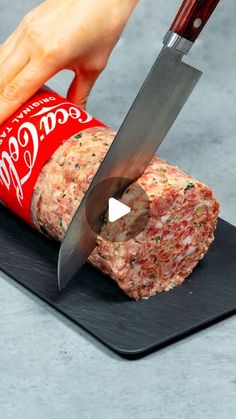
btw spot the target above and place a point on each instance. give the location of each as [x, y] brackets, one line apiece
[80, 88]
[22, 87]
[10, 43]
[13, 58]
[12, 64]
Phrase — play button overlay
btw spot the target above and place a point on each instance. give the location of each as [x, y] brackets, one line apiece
[118, 217]
[116, 210]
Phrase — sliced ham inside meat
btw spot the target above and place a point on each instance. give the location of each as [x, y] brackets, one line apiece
[182, 216]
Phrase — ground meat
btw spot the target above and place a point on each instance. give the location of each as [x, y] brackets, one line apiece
[65, 178]
[182, 216]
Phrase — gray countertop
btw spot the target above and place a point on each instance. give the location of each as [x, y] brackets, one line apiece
[49, 368]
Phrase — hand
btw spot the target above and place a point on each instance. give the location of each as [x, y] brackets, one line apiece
[60, 34]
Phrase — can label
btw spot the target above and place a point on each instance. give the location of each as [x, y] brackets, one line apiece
[29, 138]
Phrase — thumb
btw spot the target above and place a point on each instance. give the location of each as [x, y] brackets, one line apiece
[80, 88]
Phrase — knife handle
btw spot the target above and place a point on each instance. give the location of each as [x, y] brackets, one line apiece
[192, 17]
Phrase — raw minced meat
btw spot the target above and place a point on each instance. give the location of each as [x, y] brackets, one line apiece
[182, 216]
[65, 178]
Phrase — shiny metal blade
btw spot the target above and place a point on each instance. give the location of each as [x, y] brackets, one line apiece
[154, 110]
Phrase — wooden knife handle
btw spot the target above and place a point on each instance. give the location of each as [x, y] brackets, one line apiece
[192, 17]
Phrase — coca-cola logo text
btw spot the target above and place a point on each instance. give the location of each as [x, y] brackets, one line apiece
[23, 147]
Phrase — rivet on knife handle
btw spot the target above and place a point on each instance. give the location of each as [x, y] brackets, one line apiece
[188, 23]
[192, 17]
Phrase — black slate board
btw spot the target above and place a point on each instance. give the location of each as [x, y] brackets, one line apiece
[94, 302]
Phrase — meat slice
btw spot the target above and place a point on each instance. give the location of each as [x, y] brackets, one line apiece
[182, 216]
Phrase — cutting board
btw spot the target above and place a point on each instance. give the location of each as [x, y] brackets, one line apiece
[94, 302]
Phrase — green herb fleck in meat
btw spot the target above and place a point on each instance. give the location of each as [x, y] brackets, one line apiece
[132, 264]
[93, 155]
[199, 210]
[103, 217]
[198, 224]
[78, 135]
[60, 221]
[62, 163]
[103, 256]
[188, 186]
[77, 166]
[157, 239]
[172, 218]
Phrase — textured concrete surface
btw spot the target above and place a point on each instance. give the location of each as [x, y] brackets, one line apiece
[51, 369]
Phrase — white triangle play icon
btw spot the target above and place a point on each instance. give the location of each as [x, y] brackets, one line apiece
[116, 210]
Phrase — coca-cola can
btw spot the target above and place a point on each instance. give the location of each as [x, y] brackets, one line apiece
[29, 138]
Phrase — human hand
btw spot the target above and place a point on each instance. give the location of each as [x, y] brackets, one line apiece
[74, 34]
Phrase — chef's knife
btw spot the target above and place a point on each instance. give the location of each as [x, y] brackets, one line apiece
[153, 112]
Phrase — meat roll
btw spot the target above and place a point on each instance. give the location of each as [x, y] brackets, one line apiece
[182, 216]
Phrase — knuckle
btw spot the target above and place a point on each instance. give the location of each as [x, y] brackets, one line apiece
[52, 52]
[48, 53]
[100, 65]
[33, 32]
[11, 92]
[95, 67]
[36, 36]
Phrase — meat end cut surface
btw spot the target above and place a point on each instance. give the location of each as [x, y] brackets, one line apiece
[65, 178]
[182, 216]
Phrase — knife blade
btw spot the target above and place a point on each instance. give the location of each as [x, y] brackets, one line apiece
[157, 105]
